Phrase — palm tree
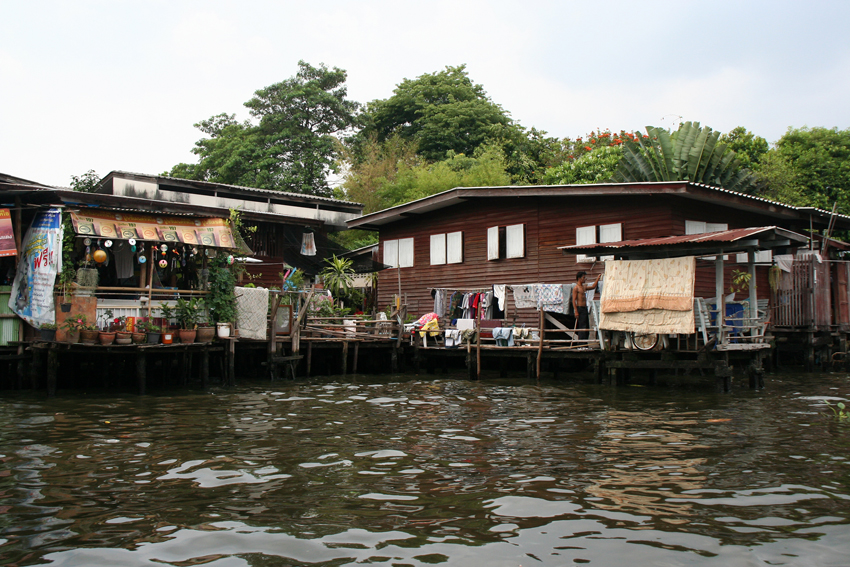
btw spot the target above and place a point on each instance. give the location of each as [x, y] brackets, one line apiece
[339, 275]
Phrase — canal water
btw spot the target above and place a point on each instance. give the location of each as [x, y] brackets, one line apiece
[408, 470]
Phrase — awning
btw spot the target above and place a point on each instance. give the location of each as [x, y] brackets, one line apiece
[200, 231]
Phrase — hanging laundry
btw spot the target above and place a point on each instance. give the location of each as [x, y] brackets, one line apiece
[500, 292]
[551, 298]
[525, 296]
[308, 244]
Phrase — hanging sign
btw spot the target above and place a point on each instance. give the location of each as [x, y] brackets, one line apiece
[205, 231]
[41, 260]
[7, 234]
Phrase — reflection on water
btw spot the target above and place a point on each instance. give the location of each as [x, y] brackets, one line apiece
[407, 471]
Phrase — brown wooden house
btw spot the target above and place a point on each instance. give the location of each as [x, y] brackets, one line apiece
[472, 238]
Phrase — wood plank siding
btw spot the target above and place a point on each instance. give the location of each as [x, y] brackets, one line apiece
[549, 222]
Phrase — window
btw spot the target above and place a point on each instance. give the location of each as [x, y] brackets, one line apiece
[515, 241]
[586, 235]
[700, 227]
[438, 249]
[398, 253]
[761, 257]
[447, 248]
[493, 243]
[610, 233]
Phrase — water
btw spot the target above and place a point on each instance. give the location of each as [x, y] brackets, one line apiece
[412, 471]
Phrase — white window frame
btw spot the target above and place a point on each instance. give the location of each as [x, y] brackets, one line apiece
[438, 249]
[585, 235]
[701, 227]
[515, 241]
[493, 243]
[761, 257]
[454, 247]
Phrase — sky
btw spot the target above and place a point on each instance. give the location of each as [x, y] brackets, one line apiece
[118, 84]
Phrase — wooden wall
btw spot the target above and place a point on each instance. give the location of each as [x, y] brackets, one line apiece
[549, 223]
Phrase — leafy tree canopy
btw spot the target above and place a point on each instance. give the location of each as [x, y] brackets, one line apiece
[291, 147]
[819, 159]
[85, 183]
[748, 147]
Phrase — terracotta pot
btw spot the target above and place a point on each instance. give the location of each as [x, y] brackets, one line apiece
[72, 337]
[187, 336]
[123, 335]
[127, 341]
[88, 337]
[106, 338]
[205, 334]
[138, 338]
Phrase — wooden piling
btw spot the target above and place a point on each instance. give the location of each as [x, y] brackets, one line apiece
[52, 370]
[141, 372]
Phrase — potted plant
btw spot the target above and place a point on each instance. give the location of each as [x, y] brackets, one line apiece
[88, 334]
[47, 332]
[122, 335]
[106, 336]
[221, 301]
[188, 313]
[206, 332]
[66, 281]
[152, 331]
[72, 326]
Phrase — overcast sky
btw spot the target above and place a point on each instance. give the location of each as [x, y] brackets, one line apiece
[117, 85]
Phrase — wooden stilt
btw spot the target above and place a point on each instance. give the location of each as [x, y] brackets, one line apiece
[309, 358]
[141, 372]
[344, 358]
[231, 361]
[205, 368]
[37, 366]
[540, 344]
[52, 371]
[356, 353]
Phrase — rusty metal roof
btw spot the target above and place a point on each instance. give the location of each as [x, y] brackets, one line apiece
[720, 242]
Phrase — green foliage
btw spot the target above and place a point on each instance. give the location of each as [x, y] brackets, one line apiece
[442, 112]
[48, 326]
[820, 159]
[778, 181]
[189, 312]
[748, 148]
[85, 183]
[338, 275]
[75, 322]
[353, 239]
[292, 147]
[221, 300]
[596, 166]
[839, 411]
[740, 281]
[379, 164]
[692, 153]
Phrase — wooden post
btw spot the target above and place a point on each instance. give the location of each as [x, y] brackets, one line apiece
[469, 369]
[540, 344]
[721, 298]
[356, 352]
[271, 349]
[52, 370]
[478, 351]
[205, 367]
[309, 357]
[754, 304]
[344, 358]
[141, 371]
[231, 361]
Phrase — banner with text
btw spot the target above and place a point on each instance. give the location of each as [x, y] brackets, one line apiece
[41, 260]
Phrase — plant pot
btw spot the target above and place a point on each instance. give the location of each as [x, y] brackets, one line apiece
[167, 338]
[205, 334]
[153, 338]
[106, 338]
[47, 335]
[88, 337]
[138, 338]
[223, 330]
[123, 335]
[127, 341]
[65, 307]
[72, 337]
[187, 336]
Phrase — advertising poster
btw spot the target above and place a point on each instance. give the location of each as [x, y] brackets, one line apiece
[157, 228]
[41, 257]
[7, 234]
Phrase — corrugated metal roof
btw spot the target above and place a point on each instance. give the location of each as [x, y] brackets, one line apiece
[720, 236]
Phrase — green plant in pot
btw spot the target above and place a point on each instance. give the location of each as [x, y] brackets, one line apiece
[47, 332]
[189, 313]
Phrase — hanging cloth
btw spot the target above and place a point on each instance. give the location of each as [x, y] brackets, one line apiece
[308, 244]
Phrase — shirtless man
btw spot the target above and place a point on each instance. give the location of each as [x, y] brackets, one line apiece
[580, 303]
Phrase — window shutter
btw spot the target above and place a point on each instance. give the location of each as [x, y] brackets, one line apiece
[438, 249]
[585, 235]
[610, 233]
[694, 227]
[454, 248]
[405, 253]
[515, 236]
[391, 253]
[493, 243]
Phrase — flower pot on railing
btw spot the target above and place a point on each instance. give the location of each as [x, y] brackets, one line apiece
[222, 330]
[88, 336]
[123, 338]
[187, 336]
[167, 337]
[72, 336]
[47, 335]
[138, 338]
[106, 337]
[153, 338]
[205, 334]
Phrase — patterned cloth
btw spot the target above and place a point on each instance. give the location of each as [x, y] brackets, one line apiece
[252, 308]
[525, 296]
[550, 297]
[633, 285]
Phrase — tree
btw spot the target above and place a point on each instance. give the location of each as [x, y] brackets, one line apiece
[692, 153]
[293, 145]
[820, 158]
[592, 167]
[441, 112]
[85, 183]
[748, 147]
